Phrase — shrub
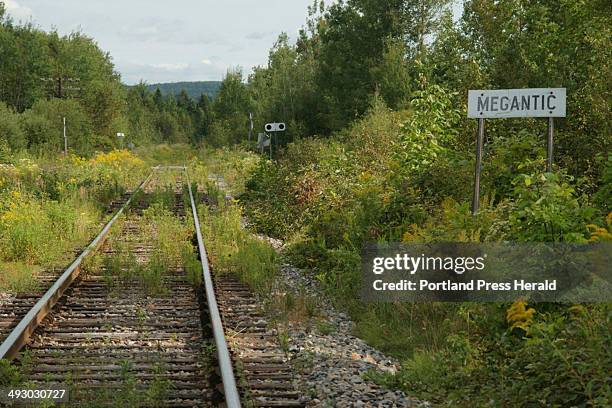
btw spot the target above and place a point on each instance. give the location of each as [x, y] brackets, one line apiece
[603, 197]
[43, 126]
[49, 209]
[33, 232]
[546, 209]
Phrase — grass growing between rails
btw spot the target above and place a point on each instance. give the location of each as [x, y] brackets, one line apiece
[129, 393]
[169, 240]
[234, 165]
[166, 154]
[232, 249]
[49, 208]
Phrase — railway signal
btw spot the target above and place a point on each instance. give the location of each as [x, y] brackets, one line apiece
[275, 127]
[121, 137]
[272, 128]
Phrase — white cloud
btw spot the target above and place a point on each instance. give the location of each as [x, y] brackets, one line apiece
[16, 10]
[260, 35]
[197, 40]
[132, 72]
[171, 67]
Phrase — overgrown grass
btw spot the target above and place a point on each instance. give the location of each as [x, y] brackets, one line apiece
[17, 277]
[232, 249]
[171, 249]
[47, 209]
[164, 154]
[235, 166]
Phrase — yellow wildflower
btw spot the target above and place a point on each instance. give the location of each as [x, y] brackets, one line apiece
[519, 316]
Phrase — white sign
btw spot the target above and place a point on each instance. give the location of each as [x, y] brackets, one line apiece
[275, 127]
[517, 103]
[262, 141]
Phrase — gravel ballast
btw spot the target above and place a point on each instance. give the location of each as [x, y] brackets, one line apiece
[331, 363]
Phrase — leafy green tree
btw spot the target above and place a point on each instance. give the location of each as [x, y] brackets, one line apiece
[11, 133]
[422, 18]
[392, 75]
[549, 44]
[23, 62]
[185, 103]
[158, 99]
[233, 97]
[231, 107]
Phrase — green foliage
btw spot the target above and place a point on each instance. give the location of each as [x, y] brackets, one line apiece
[43, 126]
[407, 176]
[284, 91]
[563, 360]
[431, 128]
[392, 75]
[49, 209]
[152, 118]
[39, 74]
[546, 209]
[233, 249]
[603, 196]
[11, 132]
[37, 233]
[231, 108]
[545, 44]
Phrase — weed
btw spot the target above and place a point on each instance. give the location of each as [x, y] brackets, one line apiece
[141, 316]
[304, 362]
[18, 277]
[326, 328]
[283, 340]
[9, 374]
[192, 265]
[159, 387]
[234, 250]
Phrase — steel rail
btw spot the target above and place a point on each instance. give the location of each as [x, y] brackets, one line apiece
[232, 397]
[22, 332]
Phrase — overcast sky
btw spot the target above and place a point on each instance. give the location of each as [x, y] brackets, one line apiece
[170, 41]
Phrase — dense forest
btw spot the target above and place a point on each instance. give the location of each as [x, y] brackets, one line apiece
[379, 148]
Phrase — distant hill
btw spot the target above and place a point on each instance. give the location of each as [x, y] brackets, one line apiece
[193, 89]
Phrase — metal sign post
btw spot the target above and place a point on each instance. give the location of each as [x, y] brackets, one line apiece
[250, 126]
[549, 144]
[65, 139]
[514, 103]
[263, 141]
[479, 144]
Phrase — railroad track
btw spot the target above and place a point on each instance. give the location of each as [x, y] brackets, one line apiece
[118, 344]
